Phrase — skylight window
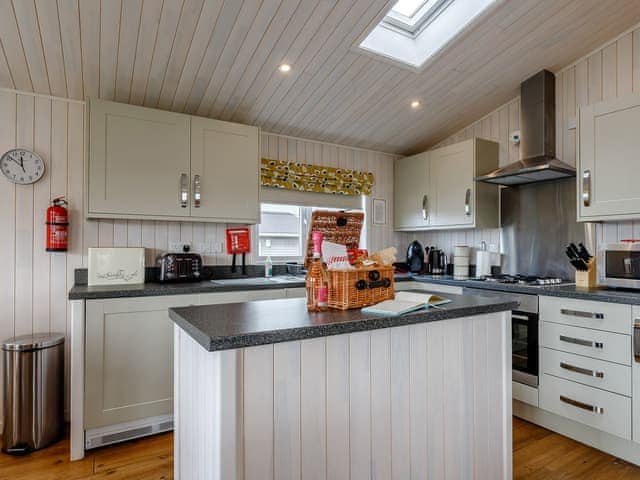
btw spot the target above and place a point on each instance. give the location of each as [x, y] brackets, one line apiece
[410, 16]
[415, 30]
[408, 8]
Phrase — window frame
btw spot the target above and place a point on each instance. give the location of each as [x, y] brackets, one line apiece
[305, 220]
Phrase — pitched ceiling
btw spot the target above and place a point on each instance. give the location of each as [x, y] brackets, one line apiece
[219, 58]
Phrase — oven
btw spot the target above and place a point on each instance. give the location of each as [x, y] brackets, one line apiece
[524, 335]
[524, 345]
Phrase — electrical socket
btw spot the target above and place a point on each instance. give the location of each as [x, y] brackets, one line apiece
[208, 248]
[178, 247]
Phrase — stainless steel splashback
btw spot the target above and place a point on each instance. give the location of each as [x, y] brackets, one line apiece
[538, 221]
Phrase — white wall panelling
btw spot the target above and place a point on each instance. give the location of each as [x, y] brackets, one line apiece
[430, 400]
[34, 284]
[219, 59]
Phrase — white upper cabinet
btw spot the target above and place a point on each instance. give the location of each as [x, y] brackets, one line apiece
[152, 164]
[411, 191]
[224, 162]
[452, 185]
[136, 159]
[609, 160]
[442, 180]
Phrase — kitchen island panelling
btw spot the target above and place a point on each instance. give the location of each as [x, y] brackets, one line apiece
[342, 394]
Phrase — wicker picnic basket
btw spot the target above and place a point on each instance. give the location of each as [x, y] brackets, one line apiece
[355, 288]
[361, 287]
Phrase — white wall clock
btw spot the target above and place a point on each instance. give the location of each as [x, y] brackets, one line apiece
[22, 166]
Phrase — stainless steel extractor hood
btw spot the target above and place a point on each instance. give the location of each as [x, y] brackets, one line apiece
[538, 160]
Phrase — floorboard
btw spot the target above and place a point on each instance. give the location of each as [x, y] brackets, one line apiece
[538, 454]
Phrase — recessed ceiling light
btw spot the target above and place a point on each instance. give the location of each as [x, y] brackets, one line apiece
[284, 68]
[415, 104]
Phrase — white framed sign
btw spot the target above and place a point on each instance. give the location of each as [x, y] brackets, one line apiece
[116, 266]
[379, 211]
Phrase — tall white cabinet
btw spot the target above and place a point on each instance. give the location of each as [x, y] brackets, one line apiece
[152, 164]
[436, 189]
[608, 161]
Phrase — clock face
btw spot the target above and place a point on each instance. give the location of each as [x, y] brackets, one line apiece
[22, 166]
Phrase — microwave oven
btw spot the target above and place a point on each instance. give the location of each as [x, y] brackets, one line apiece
[619, 265]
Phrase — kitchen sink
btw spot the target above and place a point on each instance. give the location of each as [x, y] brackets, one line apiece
[279, 279]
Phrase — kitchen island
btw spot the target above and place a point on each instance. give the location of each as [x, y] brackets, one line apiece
[266, 390]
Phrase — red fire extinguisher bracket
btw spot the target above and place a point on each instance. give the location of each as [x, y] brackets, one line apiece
[57, 222]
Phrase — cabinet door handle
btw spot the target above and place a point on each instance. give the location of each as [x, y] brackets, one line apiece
[184, 190]
[582, 405]
[196, 191]
[578, 313]
[582, 371]
[586, 188]
[581, 342]
[467, 202]
[636, 340]
[425, 207]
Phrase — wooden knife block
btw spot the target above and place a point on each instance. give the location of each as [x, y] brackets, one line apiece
[588, 278]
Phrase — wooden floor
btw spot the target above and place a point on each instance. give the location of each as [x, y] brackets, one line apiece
[538, 454]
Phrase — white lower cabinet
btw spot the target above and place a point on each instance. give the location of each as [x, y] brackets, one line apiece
[586, 369]
[635, 368]
[608, 376]
[129, 354]
[300, 292]
[596, 408]
[428, 287]
[612, 347]
[129, 359]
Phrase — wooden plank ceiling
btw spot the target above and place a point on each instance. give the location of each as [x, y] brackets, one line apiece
[219, 58]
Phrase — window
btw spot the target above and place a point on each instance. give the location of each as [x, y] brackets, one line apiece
[410, 16]
[280, 231]
[415, 30]
[283, 230]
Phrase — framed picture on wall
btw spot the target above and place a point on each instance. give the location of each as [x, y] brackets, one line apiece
[379, 211]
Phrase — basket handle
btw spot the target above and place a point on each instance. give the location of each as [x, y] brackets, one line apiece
[362, 284]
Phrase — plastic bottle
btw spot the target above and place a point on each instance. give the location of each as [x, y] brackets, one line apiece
[268, 267]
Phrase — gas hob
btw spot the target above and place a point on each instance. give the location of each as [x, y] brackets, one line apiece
[529, 280]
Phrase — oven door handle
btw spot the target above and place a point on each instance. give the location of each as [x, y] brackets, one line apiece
[520, 317]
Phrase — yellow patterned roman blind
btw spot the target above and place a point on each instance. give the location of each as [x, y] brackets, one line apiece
[314, 178]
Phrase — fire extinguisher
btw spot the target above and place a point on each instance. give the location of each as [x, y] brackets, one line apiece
[57, 225]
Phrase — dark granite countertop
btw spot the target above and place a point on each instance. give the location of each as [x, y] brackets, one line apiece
[238, 325]
[153, 289]
[150, 289]
[611, 295]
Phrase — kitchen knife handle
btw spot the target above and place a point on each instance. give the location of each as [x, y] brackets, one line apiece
[425, 207]
[196, 191]
[586, 188]
[184, 190]
[467, 202]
